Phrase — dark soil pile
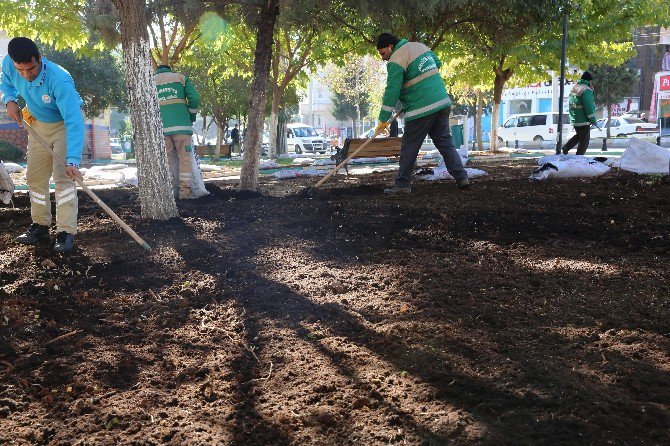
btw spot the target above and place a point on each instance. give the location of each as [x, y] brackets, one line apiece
[516, 312]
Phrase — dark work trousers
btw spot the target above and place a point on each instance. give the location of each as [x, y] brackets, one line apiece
[436, 125]
[582, 136]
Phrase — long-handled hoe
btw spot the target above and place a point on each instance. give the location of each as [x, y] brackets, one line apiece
[312, 190]
[95, 198]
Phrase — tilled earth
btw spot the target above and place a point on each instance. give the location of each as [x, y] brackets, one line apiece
[517, 312]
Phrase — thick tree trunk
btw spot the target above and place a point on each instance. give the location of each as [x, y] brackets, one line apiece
[156, 198]
[254, 131]
[274, 122]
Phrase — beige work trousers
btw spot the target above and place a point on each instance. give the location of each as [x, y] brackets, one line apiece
[181, 144]
[40, 167]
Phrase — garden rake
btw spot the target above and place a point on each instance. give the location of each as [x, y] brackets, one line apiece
[95, 198]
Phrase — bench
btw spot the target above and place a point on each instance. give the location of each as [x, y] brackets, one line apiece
[378, 147]
[208, 150]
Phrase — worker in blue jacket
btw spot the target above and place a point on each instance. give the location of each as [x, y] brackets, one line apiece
[53, 111]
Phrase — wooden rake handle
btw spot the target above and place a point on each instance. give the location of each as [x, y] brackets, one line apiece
[346, 160]
[95, 198]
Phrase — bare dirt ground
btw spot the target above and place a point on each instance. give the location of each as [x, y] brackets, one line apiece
[516, 313]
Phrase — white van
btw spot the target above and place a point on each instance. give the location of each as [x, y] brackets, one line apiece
[534, 127]
[303, 138]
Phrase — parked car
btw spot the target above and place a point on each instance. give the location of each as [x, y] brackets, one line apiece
[116, 147]
[624, 126]
[303, 138]
[534, 127]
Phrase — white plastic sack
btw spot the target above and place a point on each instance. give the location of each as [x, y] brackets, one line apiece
[129, 177]
[268, 164]
[553, 158]
[6, 185]
[323, 162]
[442, 165]
[210, 168]
[441, 173]
[571, 168]
[197, 183]
[430, 154]
[303, 161]
[14, 168]
[109, 167]
[644, 157]
[284, 174]
[103, 175]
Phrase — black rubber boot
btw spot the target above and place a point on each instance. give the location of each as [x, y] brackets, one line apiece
[64, 242]
[463, 184]
[34, 234]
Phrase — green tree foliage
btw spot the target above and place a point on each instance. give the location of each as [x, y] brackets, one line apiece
[98, 77]
[223, 94]
[611, 85]
[359, 82]
[300, 44]
[344, 109]
[57, 22]
[174, 25]
[427, 21]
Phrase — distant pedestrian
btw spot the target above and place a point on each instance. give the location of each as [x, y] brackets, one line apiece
[643, 117]
[179, 102]
[413, 77]
[235, 138]
[582, 114]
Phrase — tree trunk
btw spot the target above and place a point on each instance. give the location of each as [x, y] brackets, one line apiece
[203, 131]
[155, 186]
[479, 108]
[609, 118]
[253, 138]
[274, 122]
[219, 141]
[358, 120]
[498, 85]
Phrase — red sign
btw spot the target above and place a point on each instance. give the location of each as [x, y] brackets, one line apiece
[665, 83]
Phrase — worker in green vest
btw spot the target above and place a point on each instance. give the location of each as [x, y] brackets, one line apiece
[179, 102]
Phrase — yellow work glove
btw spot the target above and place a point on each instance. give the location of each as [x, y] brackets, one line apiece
[381, 127]
[27, 116]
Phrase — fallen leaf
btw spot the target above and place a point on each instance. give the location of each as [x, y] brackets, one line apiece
[404, 308]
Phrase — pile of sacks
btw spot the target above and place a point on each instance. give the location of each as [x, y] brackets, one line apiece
[640, 157]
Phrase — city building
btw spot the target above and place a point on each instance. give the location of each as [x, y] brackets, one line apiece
[315, 104]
